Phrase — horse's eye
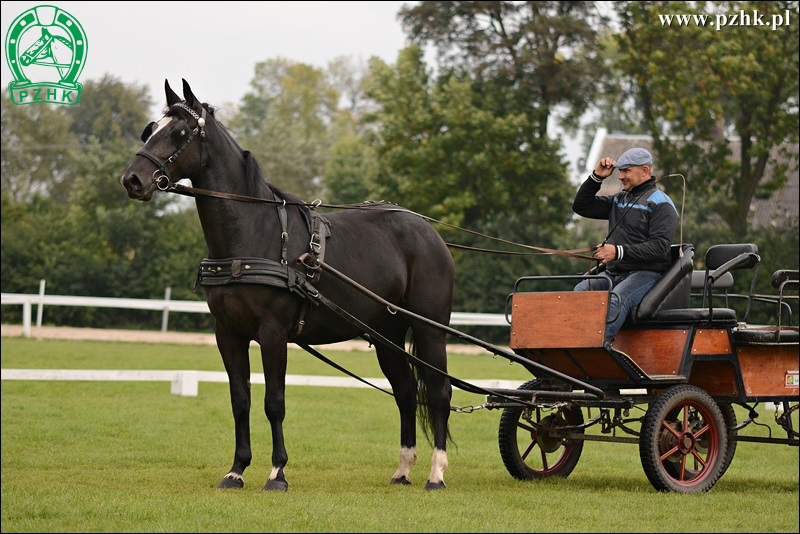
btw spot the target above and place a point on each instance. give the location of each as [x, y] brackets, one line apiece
[147, 132]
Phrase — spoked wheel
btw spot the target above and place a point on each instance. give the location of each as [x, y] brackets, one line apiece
[684, 441]
[529, 443]
[730, 424]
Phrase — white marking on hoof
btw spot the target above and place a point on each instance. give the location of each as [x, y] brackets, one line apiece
[408, 457]
[234, 476]
[438, 466]
[274, 473]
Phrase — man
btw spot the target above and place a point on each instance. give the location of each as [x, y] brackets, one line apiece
[642, 222]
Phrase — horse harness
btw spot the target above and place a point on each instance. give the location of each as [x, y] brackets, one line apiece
[217, 272]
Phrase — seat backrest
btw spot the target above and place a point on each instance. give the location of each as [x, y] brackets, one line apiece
[724, 282]
[720, 261]
[673, 290]
[730, 257]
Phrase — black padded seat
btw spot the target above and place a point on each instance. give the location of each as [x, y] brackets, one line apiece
[694, 315]
[720, 260]
[672, 291]
[766, 335]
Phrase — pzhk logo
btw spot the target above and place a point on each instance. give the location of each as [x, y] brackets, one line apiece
[46, 52]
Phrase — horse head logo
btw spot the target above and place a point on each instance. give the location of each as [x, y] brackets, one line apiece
[46, 51]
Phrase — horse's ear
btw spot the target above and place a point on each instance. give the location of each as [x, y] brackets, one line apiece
[188, 95]
[172, 98]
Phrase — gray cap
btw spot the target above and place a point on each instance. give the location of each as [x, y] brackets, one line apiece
[634, 158]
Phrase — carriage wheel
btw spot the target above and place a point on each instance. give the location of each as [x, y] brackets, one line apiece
[729, 416]
[528, 450]
[684, 441]
[730, 424]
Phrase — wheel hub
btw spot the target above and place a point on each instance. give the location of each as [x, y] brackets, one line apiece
[547, 442]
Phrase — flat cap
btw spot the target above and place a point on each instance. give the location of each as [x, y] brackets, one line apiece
[634, 158]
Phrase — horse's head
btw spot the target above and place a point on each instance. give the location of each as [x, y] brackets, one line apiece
[174, 147]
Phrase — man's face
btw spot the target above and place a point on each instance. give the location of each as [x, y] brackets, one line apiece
[633, 176]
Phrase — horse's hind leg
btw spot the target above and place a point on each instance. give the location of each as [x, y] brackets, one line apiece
[431, 347]
[398, 372]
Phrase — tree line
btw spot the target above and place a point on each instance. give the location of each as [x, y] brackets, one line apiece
[463, 140]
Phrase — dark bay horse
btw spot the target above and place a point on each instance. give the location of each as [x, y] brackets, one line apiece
[258, 291]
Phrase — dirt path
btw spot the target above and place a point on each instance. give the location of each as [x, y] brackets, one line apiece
[148, 336]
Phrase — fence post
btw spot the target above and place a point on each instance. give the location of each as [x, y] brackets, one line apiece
[26, 318]
[40, 308]
[165, 314]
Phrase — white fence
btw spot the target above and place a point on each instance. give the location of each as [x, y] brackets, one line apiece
[166, 306]
[182, 382]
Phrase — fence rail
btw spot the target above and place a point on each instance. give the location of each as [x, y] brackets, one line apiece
[166, 305]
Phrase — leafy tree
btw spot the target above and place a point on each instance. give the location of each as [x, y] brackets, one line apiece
[36, 142]
[84, 236]
[442, 150]
[544, 53]
[111, 110]
[284, 122]
[699, 87]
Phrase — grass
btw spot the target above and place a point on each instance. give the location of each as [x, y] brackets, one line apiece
[129, 456]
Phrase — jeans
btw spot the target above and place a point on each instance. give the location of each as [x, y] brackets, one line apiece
[628, 291]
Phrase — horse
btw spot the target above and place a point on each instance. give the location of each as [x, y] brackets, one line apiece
[263, 283]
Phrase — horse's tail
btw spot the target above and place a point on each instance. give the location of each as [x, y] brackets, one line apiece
[424, 411]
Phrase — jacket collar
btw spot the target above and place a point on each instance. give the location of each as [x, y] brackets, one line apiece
[647, 184]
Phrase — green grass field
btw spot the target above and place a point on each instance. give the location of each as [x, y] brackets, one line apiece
[130, 456]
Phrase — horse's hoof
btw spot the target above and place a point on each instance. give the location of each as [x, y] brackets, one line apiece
[276, 484]
[403, 481]
[434, 485]
[231, 483]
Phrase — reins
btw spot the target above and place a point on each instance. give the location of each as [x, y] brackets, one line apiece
[180, 189]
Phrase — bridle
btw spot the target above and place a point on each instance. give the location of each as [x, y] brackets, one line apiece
[181, 136]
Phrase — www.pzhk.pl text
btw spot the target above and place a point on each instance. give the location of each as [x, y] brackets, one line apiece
[728, 20]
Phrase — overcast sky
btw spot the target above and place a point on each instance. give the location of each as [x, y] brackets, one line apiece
[216, 45]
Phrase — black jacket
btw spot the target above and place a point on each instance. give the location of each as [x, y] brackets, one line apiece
[642, 223]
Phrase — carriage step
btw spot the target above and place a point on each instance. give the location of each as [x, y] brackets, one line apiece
[626, 360]
[676, 378]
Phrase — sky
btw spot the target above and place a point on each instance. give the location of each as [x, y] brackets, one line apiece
[215, 46]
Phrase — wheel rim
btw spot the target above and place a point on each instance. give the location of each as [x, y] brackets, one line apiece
[688, 443]
[541, 452]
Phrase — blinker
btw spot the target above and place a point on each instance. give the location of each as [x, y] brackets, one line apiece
[148, 131]
[179, 133]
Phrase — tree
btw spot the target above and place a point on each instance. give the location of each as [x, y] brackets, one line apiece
[544, 53]
[699, 87]
[284, 122]
[82, 234]
[111, 110]
[444, 151]
[36, 143]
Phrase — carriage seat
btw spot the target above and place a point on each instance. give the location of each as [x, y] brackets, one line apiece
[672, 291]
[720, 260]
[766, 335]
[771, 334]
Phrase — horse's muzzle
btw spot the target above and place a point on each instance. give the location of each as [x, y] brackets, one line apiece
[136, 188]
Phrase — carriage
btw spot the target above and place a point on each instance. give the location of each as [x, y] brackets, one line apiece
[679, 369]
[277, 271]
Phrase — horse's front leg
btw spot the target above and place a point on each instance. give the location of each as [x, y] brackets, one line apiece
[273, 358]
[236, 358]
